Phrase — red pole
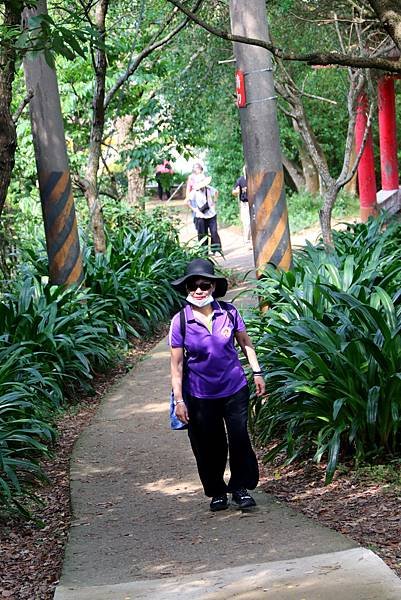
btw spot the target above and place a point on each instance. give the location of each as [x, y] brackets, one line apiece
[388, 134]
[366, 168]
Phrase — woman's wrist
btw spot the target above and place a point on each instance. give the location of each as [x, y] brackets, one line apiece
[257, 373]
[178, 402]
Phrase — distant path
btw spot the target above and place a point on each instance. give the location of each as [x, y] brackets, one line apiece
[237, 255]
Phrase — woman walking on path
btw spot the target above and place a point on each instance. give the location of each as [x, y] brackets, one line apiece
[202, 200]
[206, 371]
[197, 172]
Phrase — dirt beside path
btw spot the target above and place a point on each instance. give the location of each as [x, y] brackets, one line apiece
[358, 504]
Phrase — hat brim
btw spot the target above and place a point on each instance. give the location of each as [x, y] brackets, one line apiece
[221, 283]
[201, 184]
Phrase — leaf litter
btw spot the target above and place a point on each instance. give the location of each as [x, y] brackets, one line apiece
[354, 504]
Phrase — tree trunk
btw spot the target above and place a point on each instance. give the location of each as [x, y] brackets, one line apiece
[260, 136]
[389, 14]
[96, 135]
[350, 187]
[297, 180]
[136, 183]
[309, 170]
[53, 170]
[136, 187]
[329, 198]
[8, 251]
[8, 136]
[311, 174]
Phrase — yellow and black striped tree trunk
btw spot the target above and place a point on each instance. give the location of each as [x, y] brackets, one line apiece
[63, 248]
[260, 135]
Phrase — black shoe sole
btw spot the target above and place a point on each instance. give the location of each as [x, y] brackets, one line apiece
[244, 506]
[218, 508]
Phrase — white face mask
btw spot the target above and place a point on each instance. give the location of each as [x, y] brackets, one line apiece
[200, 303]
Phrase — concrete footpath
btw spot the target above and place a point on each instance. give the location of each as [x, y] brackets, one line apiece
[142, 528]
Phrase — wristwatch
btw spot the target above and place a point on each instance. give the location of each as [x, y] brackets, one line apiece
[178, 402]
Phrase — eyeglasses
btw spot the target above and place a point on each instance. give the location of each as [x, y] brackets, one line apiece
[192, 286]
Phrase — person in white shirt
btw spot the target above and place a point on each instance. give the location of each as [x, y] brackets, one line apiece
[202, 200]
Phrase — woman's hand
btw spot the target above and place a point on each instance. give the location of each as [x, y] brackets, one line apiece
[181, 412]
[260, 385]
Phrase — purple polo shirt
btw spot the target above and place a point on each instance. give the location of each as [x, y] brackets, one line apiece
[213, 368]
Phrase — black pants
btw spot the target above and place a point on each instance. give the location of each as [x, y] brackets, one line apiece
[206, 226]
[217, 428]
[163, 194]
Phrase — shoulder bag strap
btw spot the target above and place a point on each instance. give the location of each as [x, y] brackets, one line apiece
[183, 327]
[224, 306]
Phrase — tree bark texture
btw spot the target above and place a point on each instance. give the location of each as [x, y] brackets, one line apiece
[311, 176]
[293, 174]
[389, 14]
[351, 187]
[8, 136]
[311, 173]
[260, 136]
[136, 187]
[329, 199]
[136, 183]
[58, 208]
[8, 250]
[96, 135]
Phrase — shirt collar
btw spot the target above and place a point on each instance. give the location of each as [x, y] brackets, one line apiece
[217, 310]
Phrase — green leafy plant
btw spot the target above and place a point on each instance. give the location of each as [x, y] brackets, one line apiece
[303, 209]
[332, 351]
[53, 339]
[23, 437]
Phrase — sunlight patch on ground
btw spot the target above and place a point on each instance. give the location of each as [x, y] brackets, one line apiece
[151, 407]
[173, 487]
[162, 353]
[86, 470]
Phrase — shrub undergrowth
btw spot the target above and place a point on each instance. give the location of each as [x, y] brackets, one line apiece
[331, 348]
[53, 340]
[303, 209]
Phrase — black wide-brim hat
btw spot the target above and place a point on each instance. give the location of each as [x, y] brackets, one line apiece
[201, 267]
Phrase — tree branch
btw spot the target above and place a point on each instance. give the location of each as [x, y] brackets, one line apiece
[154, 45]
[22, 105]
[389, 14]
[311, 58]
[286, 112]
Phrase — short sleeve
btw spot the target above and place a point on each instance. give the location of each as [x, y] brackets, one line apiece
[238, 321]
[175, 339]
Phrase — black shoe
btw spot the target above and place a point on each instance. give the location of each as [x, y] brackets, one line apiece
[219, 503]
[243, 499]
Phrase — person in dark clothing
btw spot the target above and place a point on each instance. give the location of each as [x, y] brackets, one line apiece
[241, 190]
[164, 173]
